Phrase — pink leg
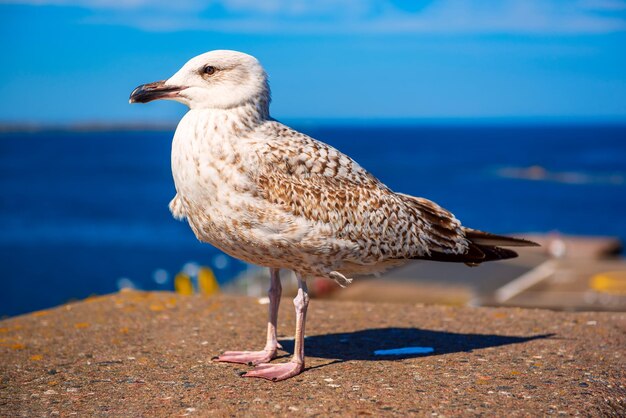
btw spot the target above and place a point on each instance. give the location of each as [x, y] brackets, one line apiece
[276, 372]
[269, 352]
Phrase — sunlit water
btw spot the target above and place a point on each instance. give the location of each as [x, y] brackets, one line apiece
[86, 212]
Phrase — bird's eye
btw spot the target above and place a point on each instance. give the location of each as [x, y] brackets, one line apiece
[209, 70]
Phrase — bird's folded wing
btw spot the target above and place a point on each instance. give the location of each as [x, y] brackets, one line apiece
[308, 178]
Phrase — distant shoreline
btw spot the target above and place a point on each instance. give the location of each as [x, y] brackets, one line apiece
[86, 127]
[338, 122]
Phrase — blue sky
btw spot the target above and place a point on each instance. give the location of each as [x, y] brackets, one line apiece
[76, 61]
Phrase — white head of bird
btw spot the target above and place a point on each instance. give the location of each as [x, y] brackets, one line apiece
[218, 79]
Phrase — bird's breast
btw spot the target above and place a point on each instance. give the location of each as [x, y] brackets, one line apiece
[211, 173]
[207, 161]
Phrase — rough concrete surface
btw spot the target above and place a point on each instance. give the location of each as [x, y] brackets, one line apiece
[148, 354]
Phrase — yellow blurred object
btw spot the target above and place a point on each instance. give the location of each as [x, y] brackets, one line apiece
[207, 283]
[182, 284]
[609, 282]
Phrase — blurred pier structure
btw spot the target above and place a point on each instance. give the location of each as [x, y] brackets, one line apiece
[565, 273]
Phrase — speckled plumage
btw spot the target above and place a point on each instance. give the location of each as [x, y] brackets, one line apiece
[272, 196]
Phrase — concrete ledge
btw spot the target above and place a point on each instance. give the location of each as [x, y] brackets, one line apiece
[148, 354]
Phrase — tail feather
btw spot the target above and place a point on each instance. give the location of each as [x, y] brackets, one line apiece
[491, 240]
[497, 253]
[483, 246]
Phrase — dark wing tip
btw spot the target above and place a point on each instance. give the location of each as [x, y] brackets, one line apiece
[492, 240]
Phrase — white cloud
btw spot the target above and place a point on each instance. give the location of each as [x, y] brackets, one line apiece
[359, 16]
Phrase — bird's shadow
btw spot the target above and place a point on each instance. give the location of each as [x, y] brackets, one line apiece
[362, 345]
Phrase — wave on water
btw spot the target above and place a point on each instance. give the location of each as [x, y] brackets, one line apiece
[539, 173]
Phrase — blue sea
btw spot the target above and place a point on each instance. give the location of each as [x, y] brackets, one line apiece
[84, 213]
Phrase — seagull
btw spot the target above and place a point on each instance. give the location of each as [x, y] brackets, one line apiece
[269, 195]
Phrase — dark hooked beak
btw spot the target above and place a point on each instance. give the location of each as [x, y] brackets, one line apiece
[154, 91]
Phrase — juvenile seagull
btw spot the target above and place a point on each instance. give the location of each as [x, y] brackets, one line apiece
[269, 195]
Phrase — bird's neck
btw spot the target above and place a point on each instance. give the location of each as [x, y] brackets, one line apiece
[255, 111]
[237, 120]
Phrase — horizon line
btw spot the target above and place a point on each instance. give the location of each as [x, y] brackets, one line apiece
[7, 127]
